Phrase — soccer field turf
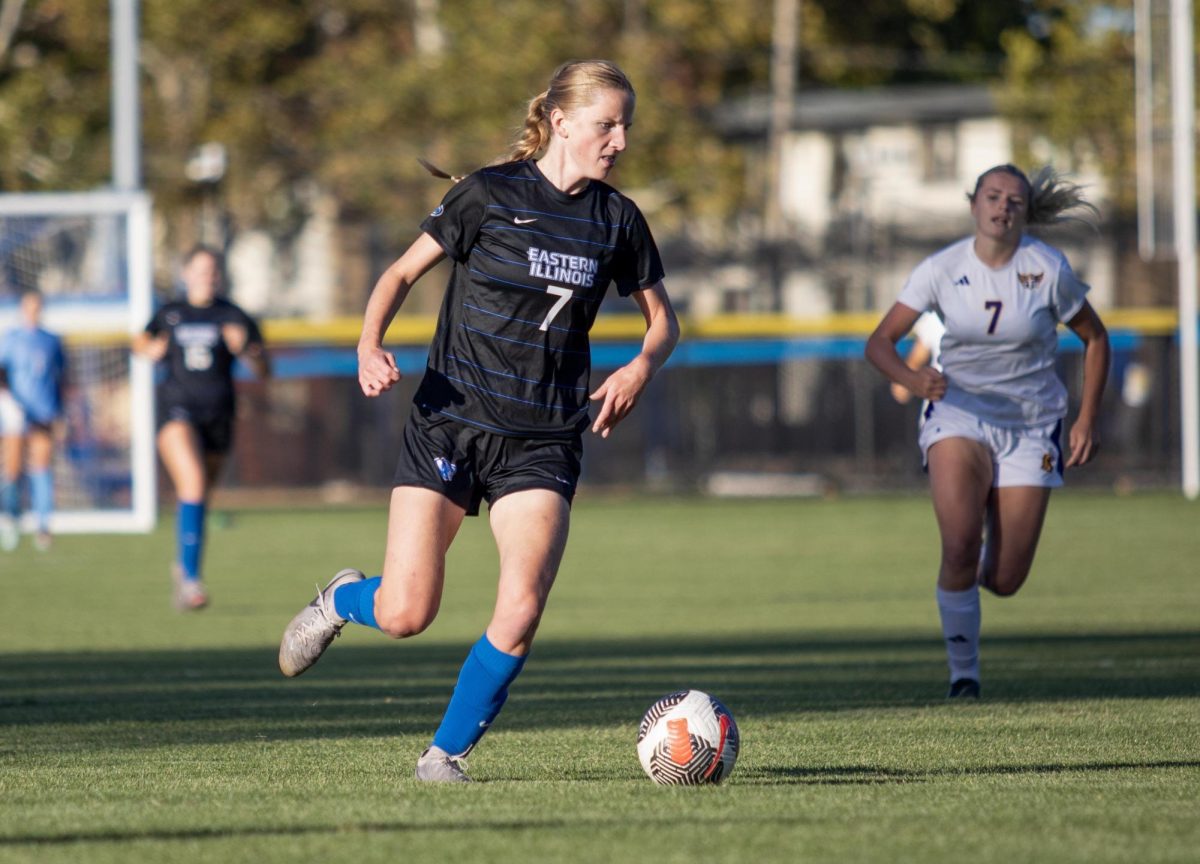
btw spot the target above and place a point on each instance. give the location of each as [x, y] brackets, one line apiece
[131, 733]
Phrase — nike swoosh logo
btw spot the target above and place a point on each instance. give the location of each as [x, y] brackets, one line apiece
[524, 221]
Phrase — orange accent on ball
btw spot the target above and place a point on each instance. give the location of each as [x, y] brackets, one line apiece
[679, 742]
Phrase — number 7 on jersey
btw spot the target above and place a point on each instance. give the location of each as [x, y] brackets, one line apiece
[994, 305]
[564, 297]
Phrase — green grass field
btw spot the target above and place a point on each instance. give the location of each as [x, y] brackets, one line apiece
[131, 733]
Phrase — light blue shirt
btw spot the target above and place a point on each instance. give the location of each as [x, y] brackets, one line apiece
[35, 362]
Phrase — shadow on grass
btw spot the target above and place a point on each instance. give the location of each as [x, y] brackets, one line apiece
[143, 698]
[871, 775]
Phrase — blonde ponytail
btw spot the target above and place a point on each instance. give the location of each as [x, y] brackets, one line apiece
[535, 134]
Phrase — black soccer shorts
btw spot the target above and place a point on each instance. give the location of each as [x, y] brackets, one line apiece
[469, 465]
[214, 428]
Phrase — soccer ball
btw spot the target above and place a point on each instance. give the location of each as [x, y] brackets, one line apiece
[686, 739]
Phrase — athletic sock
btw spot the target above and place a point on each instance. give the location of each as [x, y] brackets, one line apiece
[960, 627]
[355, 601]
[41, 493]
[10, 497]
[189, 528]
[478, 697]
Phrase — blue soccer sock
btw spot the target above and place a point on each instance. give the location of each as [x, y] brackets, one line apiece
[10, 496]
[355, 601]
[189, 533]
[41, 491]
[478, 697]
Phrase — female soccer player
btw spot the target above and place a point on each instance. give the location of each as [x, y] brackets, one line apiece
[992, 432]
[31, 408]
[198, 338]
[501, 409]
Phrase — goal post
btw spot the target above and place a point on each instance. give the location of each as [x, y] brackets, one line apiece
[89, 253]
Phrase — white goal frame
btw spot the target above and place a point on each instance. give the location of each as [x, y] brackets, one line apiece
[136, 208]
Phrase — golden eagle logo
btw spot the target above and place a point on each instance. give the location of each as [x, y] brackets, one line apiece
[1030, 280]
[1047, 462]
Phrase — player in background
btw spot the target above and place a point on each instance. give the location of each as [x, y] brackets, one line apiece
[991, 439]
[500, 412]
[927, 340]
[31, 409]
[197, 339]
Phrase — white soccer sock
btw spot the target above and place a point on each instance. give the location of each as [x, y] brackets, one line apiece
[960, 627]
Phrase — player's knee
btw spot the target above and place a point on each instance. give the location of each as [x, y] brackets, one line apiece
[961, 554]
[400, 622]
[520, 614]
[1005, 585]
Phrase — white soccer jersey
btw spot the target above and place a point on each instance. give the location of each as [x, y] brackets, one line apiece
[1001, 328]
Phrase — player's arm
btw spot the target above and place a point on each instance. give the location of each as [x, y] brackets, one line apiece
[926, 382]
[377, 370]
[255, 356]
[1084, 439]
[621, 390]
[151, 345]
[244, 340]
[918, 356]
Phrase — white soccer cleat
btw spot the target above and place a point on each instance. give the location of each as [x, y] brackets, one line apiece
[438, 766]
[189, 594]
[314, 628]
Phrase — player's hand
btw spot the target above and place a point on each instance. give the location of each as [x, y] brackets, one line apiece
[931, 384]
[377, 371]
[618, 394]
[901, 393]
[156, 349]
[235, 336]
[1084, 441]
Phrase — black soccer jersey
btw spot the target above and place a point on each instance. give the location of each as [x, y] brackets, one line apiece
[199, 363]
[531, 265]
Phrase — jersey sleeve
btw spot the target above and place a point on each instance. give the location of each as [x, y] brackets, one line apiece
[157, 323]
[1070, 293]
[639, 265]
[253, 331]
[917, 292]
[454, 224]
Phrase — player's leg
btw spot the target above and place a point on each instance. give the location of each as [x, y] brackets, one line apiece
[11, 453]
[402, 602]
[41, 481]
[530, 528]
[182, 455]
[422, 524]
[1015, 524]
[1029, 464]
[960, 479]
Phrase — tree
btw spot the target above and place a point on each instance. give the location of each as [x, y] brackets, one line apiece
[1068, 80]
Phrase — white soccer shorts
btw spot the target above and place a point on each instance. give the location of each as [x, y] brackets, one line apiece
[12, 418]
[1022, 456]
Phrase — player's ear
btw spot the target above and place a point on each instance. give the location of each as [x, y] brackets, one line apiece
[558, 123]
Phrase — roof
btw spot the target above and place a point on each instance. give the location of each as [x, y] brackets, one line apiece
[834, 110]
